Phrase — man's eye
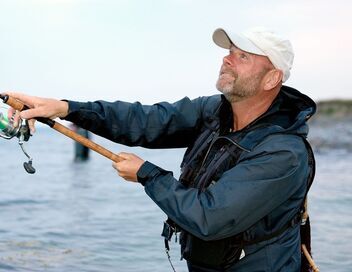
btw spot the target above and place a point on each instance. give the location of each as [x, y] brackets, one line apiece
[243, 56]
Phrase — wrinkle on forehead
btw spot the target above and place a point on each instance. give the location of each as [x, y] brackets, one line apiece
[258, 58]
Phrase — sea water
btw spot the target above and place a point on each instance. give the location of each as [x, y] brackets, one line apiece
[83, 217]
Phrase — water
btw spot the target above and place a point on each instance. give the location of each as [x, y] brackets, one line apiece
[330, 210]
[83, 217]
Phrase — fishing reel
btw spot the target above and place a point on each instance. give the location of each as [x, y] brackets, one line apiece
[22, 132]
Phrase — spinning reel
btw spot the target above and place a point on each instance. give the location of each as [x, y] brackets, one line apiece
[22, 132]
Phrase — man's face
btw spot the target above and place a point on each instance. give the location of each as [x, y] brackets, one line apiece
[241, 74]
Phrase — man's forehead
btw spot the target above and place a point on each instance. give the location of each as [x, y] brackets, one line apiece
[234, 47]
[261, 58]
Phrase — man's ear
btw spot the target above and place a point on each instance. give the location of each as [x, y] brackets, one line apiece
[272, 79]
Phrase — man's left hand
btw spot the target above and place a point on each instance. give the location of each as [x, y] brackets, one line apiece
[129, 167]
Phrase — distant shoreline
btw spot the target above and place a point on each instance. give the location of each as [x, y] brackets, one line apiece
[334, 108]
[331, 126]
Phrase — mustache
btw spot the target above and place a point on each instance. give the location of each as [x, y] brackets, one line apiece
[225, 70]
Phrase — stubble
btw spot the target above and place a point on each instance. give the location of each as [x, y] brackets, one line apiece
[237, 88]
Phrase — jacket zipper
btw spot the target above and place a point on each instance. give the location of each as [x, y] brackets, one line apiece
[226, 138]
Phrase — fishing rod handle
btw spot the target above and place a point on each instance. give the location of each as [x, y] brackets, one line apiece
[14, 103]
[86, 142]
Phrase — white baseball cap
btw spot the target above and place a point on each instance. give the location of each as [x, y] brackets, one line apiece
[259, 41]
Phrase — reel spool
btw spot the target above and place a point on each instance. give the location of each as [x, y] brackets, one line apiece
[9, 131]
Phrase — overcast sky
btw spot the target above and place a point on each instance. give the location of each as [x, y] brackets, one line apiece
[153, 50]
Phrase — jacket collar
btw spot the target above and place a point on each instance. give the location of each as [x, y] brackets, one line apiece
[287, 114]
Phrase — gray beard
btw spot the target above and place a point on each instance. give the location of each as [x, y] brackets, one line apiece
[238, 89]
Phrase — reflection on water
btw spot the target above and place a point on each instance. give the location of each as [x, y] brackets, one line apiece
[34, 254]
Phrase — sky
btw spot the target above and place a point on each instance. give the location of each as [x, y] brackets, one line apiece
[157, 50]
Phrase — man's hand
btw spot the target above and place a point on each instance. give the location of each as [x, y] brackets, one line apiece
[39, 107]
[129, 167]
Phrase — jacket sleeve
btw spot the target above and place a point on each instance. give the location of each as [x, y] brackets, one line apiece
[162, 125]
[262, 181]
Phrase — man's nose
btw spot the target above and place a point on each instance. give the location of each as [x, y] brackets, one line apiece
[226, 60]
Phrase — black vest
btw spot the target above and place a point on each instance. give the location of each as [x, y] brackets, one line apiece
[204, 163]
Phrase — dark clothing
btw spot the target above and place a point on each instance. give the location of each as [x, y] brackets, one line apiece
[257, 196]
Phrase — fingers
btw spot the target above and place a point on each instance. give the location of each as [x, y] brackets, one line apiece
[26, 99]
[31, 125]
[122, 170]
[125, 156]
[10, 112]
[14, 116]
[29, 101]
[32, 113]
[41, 107]
[129, 166]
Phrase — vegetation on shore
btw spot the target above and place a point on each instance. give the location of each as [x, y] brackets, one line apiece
[331, 126]
[335, 108]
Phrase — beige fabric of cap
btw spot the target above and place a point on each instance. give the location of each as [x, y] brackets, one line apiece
[260, 41]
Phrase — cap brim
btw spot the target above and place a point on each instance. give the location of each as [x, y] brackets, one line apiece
[225, 39]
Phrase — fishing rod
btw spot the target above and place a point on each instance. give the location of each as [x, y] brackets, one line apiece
[8, 131]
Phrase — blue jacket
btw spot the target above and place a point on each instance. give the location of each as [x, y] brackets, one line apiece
[258, 196]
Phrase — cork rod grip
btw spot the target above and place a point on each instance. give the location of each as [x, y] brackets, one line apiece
[86, 142]
[14, 103]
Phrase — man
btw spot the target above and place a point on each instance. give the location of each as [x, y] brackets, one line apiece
[245, 172]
